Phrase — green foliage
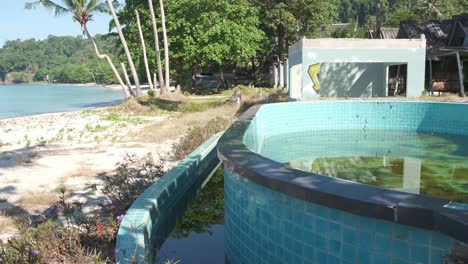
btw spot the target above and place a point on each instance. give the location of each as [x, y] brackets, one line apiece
[201, 33]
[20, 77]
[61, 59]
[351, 31]
[197, 135]
[47, 243]
[131, 178]
[151, 92]
[206, 210]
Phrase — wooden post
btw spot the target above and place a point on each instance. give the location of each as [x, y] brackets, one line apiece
[431, 83]
[460, 74]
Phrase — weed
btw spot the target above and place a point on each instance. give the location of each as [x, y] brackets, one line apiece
[196, 135]
[96, 128]
[41, 142]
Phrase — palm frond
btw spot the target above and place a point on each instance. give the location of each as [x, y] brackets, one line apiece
[49, 5]
[102, 7]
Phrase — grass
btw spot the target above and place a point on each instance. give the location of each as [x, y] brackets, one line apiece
[116, 117]
[34, 199]
[97, 128]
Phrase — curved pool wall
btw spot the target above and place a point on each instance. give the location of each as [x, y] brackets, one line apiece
[277, 214]
[154, 214]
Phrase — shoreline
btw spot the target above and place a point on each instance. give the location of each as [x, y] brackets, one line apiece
[77, 149]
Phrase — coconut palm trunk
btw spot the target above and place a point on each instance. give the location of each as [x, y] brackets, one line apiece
[166, 45]
[156, 47]
[125, 46]
[127, 91]
[82, 12]
[145, 58]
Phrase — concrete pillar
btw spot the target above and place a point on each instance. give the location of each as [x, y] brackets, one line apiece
[280, 75]
[411, 175]
[286, 74]
[415, 79]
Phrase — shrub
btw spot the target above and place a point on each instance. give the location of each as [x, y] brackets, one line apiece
[131, 178]
[83, 239]
[151, 92]
[197, 135]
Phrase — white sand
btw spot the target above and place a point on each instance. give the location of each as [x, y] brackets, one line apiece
[38, 153]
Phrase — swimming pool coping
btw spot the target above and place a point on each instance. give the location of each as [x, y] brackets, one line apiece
[399, 207]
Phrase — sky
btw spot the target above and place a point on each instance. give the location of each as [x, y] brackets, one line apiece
[19, 23]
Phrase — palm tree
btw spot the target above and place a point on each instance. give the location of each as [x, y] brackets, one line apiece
[82, 12]
[166, 48]
[156, 46]
[143, 47]
[110, 4]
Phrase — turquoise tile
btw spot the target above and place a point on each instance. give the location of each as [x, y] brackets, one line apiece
[382, 244]
[308, 253]
[383, 227]
[420, 236]
[401, 232]
[348, 252]
[320, 257]
[333, 260]
[382, 259]
[334, 247]
[321, 243]
[419, 255]
[400, 249]
[321, 226]
[366, 224]
[334, 231]
[349, 235]
[440, 241]
[365, 240]
[364, 256]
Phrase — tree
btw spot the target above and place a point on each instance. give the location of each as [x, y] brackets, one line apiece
[125, 47]
[166, 45]
[285, 22]
[203, 33]
[156, 46]
[143, 47]
[82, 12]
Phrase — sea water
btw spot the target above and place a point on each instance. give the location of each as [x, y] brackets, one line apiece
[30, 99]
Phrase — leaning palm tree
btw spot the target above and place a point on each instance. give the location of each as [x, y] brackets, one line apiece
[82, 12]
[166, 45]
[124, 44]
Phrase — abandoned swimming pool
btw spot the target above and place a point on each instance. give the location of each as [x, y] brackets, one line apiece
[276, 213]
[282, 206]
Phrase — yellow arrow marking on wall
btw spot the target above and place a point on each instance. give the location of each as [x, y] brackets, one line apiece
[313, 71]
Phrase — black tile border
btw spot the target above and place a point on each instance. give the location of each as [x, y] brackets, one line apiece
[402, 208]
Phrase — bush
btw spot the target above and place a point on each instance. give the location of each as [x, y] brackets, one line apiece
[197, 135]
[20, 77]
[151, 92]
[83, 239]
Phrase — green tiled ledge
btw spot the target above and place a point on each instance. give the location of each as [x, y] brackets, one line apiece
[144, 223]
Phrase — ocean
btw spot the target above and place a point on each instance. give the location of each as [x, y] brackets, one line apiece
[31, 99]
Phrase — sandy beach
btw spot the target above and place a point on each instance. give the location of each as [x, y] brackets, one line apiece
[75, 149]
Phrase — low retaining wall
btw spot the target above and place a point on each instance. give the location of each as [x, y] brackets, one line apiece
[153, 215]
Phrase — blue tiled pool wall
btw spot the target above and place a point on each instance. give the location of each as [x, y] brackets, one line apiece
[284, 118]
[265, 226]
[154, 214]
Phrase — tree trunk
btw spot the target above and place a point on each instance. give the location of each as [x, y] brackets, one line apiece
[166, 45]
[126, 92]
[281, 36]
[156, 46]
[125, 46]
[124, 70]
[145, 58]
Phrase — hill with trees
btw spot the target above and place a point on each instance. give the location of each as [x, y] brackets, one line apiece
[57, 59]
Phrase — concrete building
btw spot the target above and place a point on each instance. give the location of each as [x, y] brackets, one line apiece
[353, 67]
